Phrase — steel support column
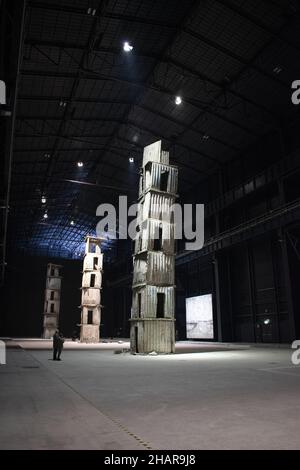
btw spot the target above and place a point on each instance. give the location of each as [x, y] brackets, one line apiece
[288, 285]
[14, 15]
[218, 298]
[251, 284]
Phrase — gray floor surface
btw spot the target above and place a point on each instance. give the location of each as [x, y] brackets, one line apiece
[246, 398]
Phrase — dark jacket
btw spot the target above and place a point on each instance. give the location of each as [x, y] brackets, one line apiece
[56, 340]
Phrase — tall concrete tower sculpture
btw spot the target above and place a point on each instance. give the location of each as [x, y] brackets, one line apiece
[52, 300]
[153, 303]
[91, 291]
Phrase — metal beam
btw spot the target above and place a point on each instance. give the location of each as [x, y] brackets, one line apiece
[76, 79]
[133, 124]
[57, 99]
[109, 15]
[271, 220]
[81, 150]
[236, 57]
[142, 106]
[191, 102]
[170, 60]
[126, 114]
[13, 13]
[257, 22]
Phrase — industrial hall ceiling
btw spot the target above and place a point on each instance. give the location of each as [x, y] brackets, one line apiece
[86, 107]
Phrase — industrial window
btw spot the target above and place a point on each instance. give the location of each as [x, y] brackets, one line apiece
[52, 295]
[139, 304]
[51, 308]
[93, 277]
[95, 263]
[160, 308]
[158, 240]
[164, 180]
[90, 317]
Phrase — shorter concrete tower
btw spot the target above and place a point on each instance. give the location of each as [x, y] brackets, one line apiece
[52, 300]
[91, 291]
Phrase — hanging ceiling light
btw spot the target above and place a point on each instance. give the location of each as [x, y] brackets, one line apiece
[80, 164]
[127, 47]
[45, 215]
[43, 200]
[178, 100]
[72, 222]
[131, 159]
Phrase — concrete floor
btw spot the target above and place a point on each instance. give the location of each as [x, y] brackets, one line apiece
[214, 397]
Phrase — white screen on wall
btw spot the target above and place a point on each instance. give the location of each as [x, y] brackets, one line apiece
[199, 317]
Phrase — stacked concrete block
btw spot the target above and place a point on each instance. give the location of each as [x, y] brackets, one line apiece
[52, 300]
[153, 302]
[91, 291]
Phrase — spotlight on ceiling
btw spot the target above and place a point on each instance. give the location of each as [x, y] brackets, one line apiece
[45, 215]
[80, 164]
[127, 47]
[43, 200]
[131, 159]
[178, 100]
[72, 222]
[267, 321]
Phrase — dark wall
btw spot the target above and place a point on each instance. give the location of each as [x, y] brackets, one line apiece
[258, 291]
[116, 310]
[22, 297]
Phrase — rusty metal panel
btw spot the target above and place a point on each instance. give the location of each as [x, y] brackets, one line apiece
[148, 233]
[160, 269]
[155, 180]
[153, 300]
[153, 335]
[153, 153]
[149, 301]
[155, 268]
[139, 270]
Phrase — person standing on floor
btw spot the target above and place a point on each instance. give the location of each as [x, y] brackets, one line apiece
[60, 345]
[55, 344]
